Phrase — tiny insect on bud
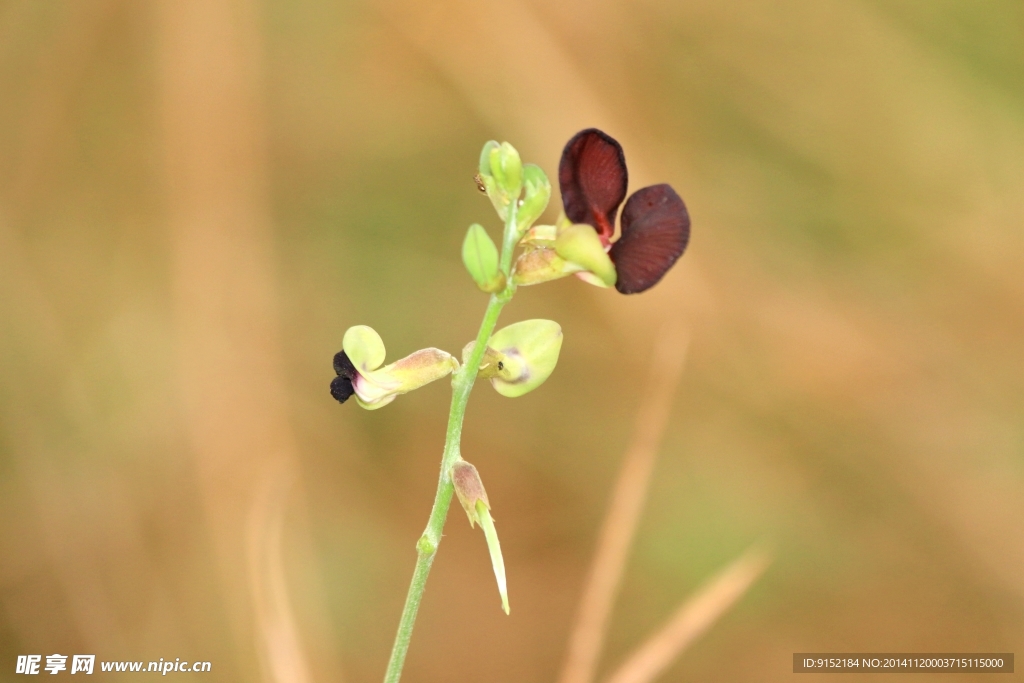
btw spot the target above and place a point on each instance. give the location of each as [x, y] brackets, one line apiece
[501, 174]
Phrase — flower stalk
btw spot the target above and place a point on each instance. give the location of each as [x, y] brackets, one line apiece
[462, 386]
[520, 357]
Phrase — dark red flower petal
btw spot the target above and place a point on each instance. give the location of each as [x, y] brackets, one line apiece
[343, 366]
[592, 177]
[341, 386]
[655, 230]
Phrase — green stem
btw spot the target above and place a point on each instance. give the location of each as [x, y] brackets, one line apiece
[462, 385]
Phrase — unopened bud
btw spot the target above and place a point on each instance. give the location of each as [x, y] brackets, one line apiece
[507, 169]
[535, 199]
[480, 256]
[470, 490]
[485, 180]
[501, 174]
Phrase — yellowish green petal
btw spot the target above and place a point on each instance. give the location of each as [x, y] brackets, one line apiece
[580, 244]
[364, 348]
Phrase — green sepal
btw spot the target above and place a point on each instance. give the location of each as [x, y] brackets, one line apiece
[488, 364]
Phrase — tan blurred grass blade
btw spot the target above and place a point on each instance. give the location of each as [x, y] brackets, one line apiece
[692, 618]
[275, 618]
[628, 496]
[225, 300]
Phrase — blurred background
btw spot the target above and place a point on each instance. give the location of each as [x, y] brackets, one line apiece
[198, 197]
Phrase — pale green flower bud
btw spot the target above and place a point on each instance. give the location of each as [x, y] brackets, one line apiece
[486, 178]
[535, 199]
[481, 259]
[501, 175]
[507, 169]
[485, 157]
[580, 244]
[470, 490]
[526, 354]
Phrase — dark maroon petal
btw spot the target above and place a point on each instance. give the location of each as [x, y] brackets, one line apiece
[343, 366]
[592, 176]
[341, 386]
[655, 230]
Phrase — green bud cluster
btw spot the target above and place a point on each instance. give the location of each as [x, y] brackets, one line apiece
[501, 172]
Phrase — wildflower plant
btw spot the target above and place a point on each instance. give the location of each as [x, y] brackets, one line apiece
[592, 176]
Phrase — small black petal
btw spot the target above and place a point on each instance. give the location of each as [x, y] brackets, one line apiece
[592, 177]
[655, 232]
[341, 388]
[343, 366]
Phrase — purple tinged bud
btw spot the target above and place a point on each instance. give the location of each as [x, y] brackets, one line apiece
[470, 490]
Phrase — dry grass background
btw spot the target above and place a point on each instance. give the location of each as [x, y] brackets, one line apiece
[198, 197]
